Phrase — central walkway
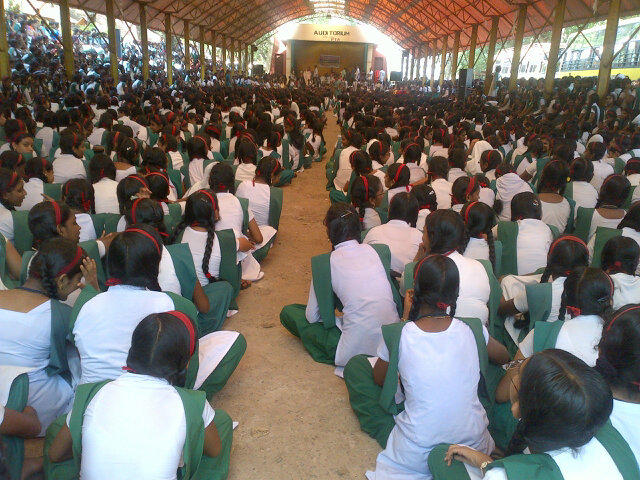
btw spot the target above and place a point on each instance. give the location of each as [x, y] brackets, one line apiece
[294, 414]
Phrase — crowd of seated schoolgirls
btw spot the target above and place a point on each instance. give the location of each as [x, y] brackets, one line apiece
[532, 201]
[111, 195]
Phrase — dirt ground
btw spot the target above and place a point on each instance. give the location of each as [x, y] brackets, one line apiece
[295, 421]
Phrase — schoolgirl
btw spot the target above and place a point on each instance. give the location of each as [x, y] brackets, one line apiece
[438, 174]
[595, 153]
[34, 325]
[102, 174]
[247, 155]
[169, 144]
[154, 160]
[12, 195]
[366, 195]
[556, 209]
[399, 233]
[411, 156]
[534, 150]
[479, 220]
[126, 158]
[97, 137]
[440, 143]
[272, 145]
[526, 238]
[619, 258]
[433, 345]
[508, 185]
[197, 149]
[315, 141]
[38, 172]
[22, 143]
[427, 203]
[629, 227]
[464, 190]
[351, 141]
[457, 163]
[265, 200]
[133, 292]
[69, 163]
[580, 189]
[191, 440]
[489, 161]
[296, 141]
[444, 234]
[609, 210]
[571, 440]
[47, 132]
[213, 131]
[78, 195]
[358, 275]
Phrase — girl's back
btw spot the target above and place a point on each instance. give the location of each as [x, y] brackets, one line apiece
[259, 195]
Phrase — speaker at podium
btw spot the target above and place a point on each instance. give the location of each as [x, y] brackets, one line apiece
[465, 82]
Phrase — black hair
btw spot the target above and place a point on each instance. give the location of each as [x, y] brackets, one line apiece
[412, 152]
[36, 168]
[479, 219]
[70, 140]
[160, 348]
[566, 254]
[404, 207]
[632, 166]
[589, 289]
[128, 151]
[246, 151]
[400, 178]
[79, 194]
[445, 230]
[54, 255]
[9, 180]
[620, 254]
[581, 170]
[342, 223]
[460, 189]
[457, 158]
[42, 221]
[101, 166]
[491, 158]
[360, 162]
[525, 205]
[134, 259]
[439, 166]
[614, 191]
[158, 185]
[149, 212]
[363, 195]
[425, 196]
[154, 158]
[222, 178]
[11, 160]
[618, 360]
[581, 400]
[268, 167]
[353, 138]
[200, 209]
[436, 283]
[127, 190]
[632, 218]
[554, 177]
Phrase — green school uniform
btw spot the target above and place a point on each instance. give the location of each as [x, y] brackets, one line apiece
[196, 465]
[508, 235]
[603, 235]
[321, 338]
[13, 445]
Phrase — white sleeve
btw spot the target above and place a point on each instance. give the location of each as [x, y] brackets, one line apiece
[591, 247]
[6, 226]
[532, 168]
[497, 473]
[1, 414]
[526, 346]
[102, 250]
[208, 413]
[485, 333]
[313, 311]
[383, 351]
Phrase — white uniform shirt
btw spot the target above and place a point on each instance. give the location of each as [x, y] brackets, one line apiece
[245, 171]
[601, 170]
[533, 242]
[259, 196]
[626, 289]
[598, 220]
[556, 214]
[34, 188]
[508, 186]
[167, 278]
[442, 188]
[231, 213]
[454, 174]
[402, 239]
[6, 223]
[371, 218]
[343, 173]
[477, 248]
[625, 417]
[106, 197]
[584, 195]
[87, 230]
[474, 290]
[122, 174]
[440, 372]
[121, 434]
[360, 281]
[68, 166]
[196, 170]
[103, 328]
[579, 336]
[46, 134]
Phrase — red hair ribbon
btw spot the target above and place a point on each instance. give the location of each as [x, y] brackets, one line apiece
[442, 306]
[148, 235]
[12, 181]
[214, 203]
[133, 209]
[574, 311]
[400, 168]
[189, 324]
[366, 187]
[470, 187]
[206, 146]
[466, 213]
[73, 263]
[636, 307]
[57, 212]
[158, 174]
[140, 179]
[567, 237]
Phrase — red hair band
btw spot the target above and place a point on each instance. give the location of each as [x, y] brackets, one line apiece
[466, 213]
[214, 203]
[206, 146]
[636, 307]
[470, 187]
[158, 174]
[57, 212]
[73, 263]
[189, 324]
[567, 237]
[12, 181]
[140, 179]
[574, 311]
[404, 153]
[148, 235]
[366, 187]
[133, 209]
[400, 168]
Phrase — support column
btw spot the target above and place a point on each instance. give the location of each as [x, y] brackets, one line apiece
[554, 49]
[425, 50]
[187, 45]
[4, 44]
[168, 42]
[493, 36]
[472, 45]
[111, 34]
[144, 40]
[402, 68]
[224, 52]
[251, 57]
[214, 53]
[608, 45]
[443, 61]
[454, 56]
[517, 46]
[202, 62]
[412, 62]
[434, 50]
[67, 40]
[232, 55]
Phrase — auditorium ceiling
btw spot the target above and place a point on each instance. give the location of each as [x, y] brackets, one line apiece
[411, 23]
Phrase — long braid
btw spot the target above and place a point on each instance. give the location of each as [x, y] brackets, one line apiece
[178, 231]
[211, 232]
[546, 274]
[492, 249]
[47, 282]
